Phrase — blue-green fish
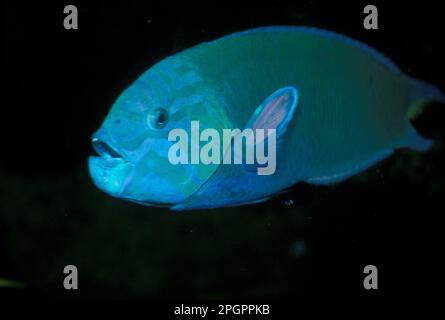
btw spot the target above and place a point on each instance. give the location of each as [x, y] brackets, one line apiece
[337, 105]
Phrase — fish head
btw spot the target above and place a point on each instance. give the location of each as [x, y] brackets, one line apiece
[133, 146]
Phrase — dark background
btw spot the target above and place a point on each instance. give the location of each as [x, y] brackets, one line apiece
[59, 85]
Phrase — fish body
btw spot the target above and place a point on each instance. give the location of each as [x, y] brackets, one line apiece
[347, 108]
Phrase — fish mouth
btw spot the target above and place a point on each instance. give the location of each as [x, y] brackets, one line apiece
[109, 168]
[107, 151]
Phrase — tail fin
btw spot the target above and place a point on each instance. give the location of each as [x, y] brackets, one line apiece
[421, 93]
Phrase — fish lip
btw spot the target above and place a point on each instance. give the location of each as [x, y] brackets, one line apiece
[100, 164]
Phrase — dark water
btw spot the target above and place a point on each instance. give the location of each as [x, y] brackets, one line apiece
[312, 241]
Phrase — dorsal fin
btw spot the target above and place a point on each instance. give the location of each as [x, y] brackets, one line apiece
[326, 33]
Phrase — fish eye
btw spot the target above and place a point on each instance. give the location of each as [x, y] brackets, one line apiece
[158, 118]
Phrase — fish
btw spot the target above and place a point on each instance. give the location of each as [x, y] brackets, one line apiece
[337, 107]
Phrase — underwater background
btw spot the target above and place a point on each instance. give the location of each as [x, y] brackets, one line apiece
[311, 241]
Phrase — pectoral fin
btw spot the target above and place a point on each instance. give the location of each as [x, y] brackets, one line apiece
[273, 116]
[276, 111]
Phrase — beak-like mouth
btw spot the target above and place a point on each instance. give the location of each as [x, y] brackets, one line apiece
[105, 150]
[110, 168]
